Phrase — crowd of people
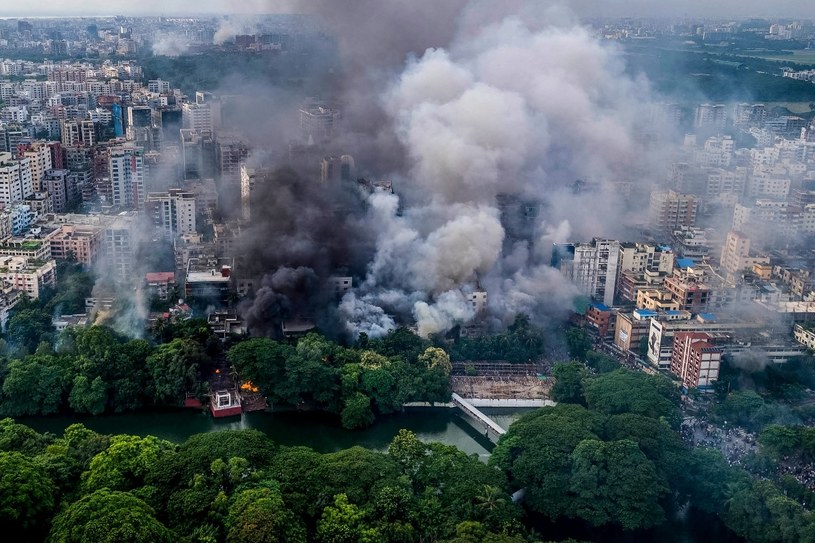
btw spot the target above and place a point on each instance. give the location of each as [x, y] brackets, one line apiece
[734, 443]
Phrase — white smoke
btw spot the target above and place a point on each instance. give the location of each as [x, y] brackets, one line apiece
[232, 26]
[170, 45]
[364, 317]
[451, 308]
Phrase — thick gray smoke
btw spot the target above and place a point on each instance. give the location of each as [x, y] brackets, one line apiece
[491, 120]
[516, 109]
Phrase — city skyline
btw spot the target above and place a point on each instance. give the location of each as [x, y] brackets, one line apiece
[582, 8]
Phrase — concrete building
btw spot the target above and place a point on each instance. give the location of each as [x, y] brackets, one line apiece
[39, 155]
[805, 335]
[15, 179]
[695, 360]
[28, 275]
[630, 328]
[591, 266]
[173, 212]
[81, 242]
[210, 279]
[710, 116]
[34, 249]
[196, 116]
[55, 183]
[736, 255]
[671, 211]
[690, 292]
[230, 153]
[160, 284]
[318, 123]
[127, 176]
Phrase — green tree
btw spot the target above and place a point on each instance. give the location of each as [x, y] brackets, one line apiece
[356, 412]
[258, 515]
[33, 386]
[568, 386]
[107, 516]
[26, 493]
[344, 522]
[88, 397]
[625, 391]
[263, 362]
[174, 369]
[126, 463]
[613, 482]
[20, 438]
[433, 357]
[578, 341]
[535, 453]
[27, 327]
[741, 407]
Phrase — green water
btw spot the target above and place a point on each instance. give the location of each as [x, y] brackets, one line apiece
[320, 432]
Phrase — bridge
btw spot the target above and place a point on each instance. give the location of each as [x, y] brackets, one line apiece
[491, 429]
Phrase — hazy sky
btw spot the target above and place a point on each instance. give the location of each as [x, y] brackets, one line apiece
[725, 8]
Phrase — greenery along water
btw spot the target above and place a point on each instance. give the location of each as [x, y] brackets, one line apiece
[320, 432]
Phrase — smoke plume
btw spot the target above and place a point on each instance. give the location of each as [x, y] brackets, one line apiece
[489, 119]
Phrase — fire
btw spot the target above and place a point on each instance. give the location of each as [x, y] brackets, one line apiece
[247, 385]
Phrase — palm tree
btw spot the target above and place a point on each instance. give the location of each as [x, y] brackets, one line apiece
[490, 499]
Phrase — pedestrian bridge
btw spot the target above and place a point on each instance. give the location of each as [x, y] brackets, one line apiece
[491, 428]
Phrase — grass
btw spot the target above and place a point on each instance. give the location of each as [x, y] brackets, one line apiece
[802, 56]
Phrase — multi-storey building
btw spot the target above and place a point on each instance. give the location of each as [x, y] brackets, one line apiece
[55, 183]
[39, 155]
[230, 153]
[736, 256]
[81, 242]
[127, 176]
[671, 211]
[173, 211]
[591, 266]
[695, 360]
[197, 116]
[15, 179]
[28, 275]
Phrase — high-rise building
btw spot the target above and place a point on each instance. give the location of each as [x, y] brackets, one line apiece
[197, 117]
[591, 266]
[670, 211]
[15, 179]
[139, 117]
[230, 152]
[173, 211]
[127, 176]
[710, 116]
[330, 169]
[55, 182]
[39, 154]
[318, 123]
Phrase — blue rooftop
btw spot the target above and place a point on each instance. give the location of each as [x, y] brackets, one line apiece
[708, 316]
[646, 312]
[673, 312]
[685, 262]
[601, 307]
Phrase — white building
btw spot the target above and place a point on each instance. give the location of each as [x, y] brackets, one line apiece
[197, 117]
[173, 211]
[591, 266]
[127, 176]
[15, 179]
